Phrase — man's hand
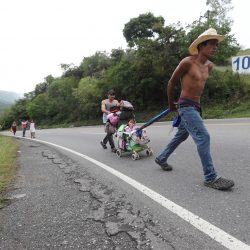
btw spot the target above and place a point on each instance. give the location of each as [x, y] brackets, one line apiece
[120, 104]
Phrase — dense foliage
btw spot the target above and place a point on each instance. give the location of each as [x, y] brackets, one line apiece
[138, 74]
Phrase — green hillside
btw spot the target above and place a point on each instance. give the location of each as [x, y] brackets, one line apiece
[7, 98]
[244, 52]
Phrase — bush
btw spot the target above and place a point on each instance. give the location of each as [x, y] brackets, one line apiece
[224, 87]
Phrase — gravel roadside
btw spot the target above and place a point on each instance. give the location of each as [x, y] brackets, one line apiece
[57, 204]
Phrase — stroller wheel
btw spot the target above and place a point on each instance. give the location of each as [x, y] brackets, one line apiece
[119, 153]
[135, 156]
[149, 152]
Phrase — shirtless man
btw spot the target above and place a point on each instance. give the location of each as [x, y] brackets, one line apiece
[193, 72]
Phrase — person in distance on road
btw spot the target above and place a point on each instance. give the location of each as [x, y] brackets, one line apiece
[32, 129]
[24, 124]
[13, 127]
[192, 72]
[106, 106]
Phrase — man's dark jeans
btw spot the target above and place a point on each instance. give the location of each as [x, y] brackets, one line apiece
[192, 124]
[109, 138]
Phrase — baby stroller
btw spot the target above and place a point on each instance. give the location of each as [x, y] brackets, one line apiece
[132, 142]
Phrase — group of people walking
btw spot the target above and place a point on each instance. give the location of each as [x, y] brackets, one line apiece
[25, 124]
[192, 73]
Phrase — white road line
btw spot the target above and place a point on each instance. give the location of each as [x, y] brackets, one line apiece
[229, 124]
[204, 226]
[207, 124]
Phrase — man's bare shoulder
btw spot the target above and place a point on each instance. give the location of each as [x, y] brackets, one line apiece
[104, 101]
[186, 62]
[189, 59]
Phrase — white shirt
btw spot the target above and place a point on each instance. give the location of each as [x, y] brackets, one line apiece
[32, 127]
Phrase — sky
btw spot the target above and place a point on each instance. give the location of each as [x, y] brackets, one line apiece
[36, 36]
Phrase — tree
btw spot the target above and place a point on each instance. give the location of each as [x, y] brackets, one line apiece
[41, 88]
[15, 112]
[37, 108]
[146, 26]
[71, 70]
[157, 50]
[116, 55]
[61, 102]
[218, 11]
[217, 17]
[88, 96]
[96, 65]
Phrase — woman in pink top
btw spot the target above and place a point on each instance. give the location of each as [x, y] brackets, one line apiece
[24, 126]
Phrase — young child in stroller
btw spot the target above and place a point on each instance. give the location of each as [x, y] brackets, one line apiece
[132, 139]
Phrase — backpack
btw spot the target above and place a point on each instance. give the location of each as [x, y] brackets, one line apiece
[113, 119]
[127, 111]
[126, 106]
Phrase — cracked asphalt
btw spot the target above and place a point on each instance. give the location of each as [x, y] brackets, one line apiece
[56, 204]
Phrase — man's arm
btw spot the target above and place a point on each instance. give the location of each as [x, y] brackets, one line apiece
[103, 107]
[210, 67]
[117, 103]
[180, 70]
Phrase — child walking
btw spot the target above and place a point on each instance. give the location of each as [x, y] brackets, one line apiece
[32, 129]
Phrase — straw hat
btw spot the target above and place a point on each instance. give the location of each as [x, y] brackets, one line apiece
[206, 35]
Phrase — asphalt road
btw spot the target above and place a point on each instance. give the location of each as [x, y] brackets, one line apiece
[227, 211]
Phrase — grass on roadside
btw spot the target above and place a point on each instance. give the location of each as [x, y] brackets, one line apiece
[222, 111]
[8, 167]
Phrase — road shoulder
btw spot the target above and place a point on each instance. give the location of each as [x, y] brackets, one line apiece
[55, 203]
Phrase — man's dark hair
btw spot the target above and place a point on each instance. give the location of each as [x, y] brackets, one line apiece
[111, 92]
[204, 43]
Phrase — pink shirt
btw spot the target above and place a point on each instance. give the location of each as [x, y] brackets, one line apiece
[24, 124]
